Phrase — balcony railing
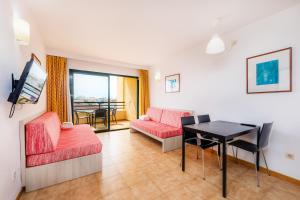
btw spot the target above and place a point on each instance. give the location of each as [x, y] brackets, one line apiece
[93, 105]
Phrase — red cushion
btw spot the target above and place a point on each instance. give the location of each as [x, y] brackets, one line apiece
[173, 117]
[42, 134]
[158, 129]
[73, 143]
[154, 114]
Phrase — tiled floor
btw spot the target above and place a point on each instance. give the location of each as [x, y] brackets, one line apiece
[135, 168]
[121, 124]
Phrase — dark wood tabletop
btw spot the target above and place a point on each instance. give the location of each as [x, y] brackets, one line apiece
[221, 129]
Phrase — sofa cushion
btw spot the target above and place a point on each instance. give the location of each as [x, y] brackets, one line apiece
[42, 134]
[154, 114]
[73, 143]
[155, 128]
[173, 117]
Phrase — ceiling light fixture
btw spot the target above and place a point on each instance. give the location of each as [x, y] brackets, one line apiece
[215, 45]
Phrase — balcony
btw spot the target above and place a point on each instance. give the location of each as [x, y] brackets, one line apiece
[96, 114]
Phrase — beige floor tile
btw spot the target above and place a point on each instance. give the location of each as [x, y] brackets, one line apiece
[28, 195]
[279, 194]
[135, 177]
[182, 193]
[146, 190]
[124, 194]
[135, 168]
[203, 189]
[166, 182]
[111, 185]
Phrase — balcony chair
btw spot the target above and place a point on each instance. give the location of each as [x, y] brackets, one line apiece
[86, 117]
[101, 114]
[114, 114]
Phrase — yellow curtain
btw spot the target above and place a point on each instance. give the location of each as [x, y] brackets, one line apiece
[144, 91]
[57, 86]
[130, 97]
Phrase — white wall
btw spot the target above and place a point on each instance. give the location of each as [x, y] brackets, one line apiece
[98, 67]
[12, 60]
[217, 85]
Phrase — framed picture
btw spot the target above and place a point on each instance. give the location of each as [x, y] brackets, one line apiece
[33, 56]
[172, 83]
[270, 72]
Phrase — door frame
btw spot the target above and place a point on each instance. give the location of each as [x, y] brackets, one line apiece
[86, 72]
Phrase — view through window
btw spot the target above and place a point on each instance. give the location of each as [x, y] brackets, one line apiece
[106, 102]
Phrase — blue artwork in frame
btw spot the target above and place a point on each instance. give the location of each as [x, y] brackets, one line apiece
[172, 83]
[270, 72]
[267, 73]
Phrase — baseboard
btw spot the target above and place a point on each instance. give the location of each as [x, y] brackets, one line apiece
[20, 193]
[263, 169]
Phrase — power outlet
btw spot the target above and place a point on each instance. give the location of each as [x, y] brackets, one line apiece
[290, 156]
[14, 175]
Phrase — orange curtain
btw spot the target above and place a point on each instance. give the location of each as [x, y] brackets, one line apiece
[144, 91]
[57, 86]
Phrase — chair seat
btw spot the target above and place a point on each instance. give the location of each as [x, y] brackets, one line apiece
[204, 143]
[207, 144]
[242, 144]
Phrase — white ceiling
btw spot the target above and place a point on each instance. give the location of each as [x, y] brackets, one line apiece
[141, 31]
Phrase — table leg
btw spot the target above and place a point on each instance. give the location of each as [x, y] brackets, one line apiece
[257, 154]
[224, 168]
[183, 153]
[257, 161]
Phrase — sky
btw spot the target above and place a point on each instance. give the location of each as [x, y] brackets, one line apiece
[94, 86]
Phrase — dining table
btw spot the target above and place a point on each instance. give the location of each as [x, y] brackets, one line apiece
[223, 131]
[91, 112]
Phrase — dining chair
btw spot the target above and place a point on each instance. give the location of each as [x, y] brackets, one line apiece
[78, 118]
[204, 119]
[193, 139]
[262, 144]
[100, 113]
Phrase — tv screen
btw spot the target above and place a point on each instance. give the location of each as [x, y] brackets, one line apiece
[28, 89]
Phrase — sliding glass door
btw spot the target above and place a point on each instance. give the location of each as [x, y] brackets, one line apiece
[105, 101]
[90, 97]
[123, 101]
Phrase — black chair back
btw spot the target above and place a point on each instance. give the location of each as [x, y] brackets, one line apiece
[187, 120]
[265, 135]
[203, 118]
[100, 113]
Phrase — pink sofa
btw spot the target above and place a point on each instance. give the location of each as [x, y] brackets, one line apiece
[48, 147]
[46, 142]
[164, 125]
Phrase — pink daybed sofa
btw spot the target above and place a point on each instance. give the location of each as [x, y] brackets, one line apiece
[62, 153]
[164, 125]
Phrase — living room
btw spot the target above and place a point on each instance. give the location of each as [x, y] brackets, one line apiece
[179, 62]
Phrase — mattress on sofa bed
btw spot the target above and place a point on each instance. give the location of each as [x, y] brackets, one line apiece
[158, 129]
[77, 142]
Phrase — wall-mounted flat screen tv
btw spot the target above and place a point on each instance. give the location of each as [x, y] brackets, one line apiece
[28, 89]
